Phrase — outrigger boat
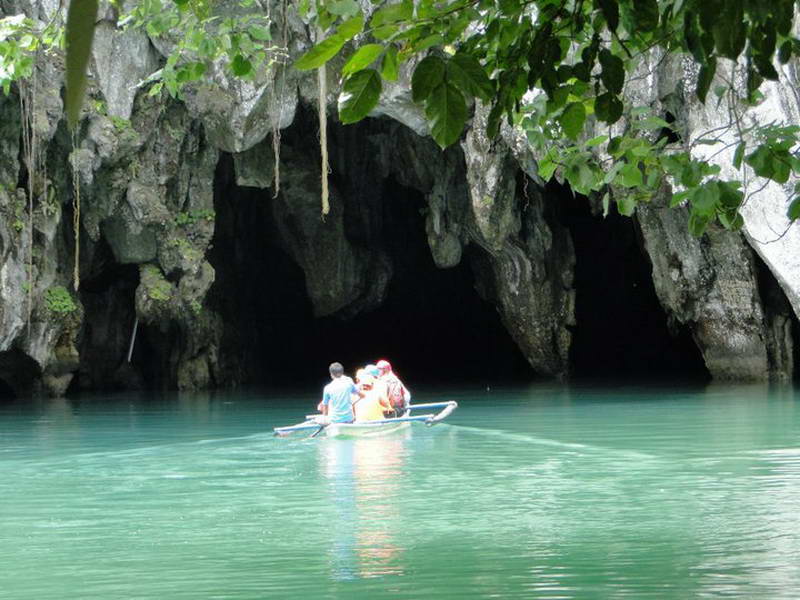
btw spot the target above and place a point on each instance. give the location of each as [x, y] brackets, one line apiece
[315, 424]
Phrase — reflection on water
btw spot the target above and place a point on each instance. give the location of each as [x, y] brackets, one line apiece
[365, 481]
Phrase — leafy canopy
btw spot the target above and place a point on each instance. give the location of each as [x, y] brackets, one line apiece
[556, 68]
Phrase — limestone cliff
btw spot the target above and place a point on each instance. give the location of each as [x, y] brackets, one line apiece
[141, 179]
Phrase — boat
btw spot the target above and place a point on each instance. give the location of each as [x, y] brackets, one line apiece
[315, 424]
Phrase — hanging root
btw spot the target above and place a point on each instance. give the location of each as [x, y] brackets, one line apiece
[323, 138]
[76, 212]
[280, 73]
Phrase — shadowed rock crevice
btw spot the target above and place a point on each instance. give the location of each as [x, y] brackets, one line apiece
[19, 374]
[107, 293]
[780, 328]
[621, 329]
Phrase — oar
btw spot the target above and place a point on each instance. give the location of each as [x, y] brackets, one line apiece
[317, 432]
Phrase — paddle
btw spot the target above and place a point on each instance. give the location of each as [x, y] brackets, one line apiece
[317, 432]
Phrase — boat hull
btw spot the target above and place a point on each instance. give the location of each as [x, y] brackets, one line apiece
[343, 430]
[315, 424]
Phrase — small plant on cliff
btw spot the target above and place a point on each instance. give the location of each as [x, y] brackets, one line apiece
[58, 300]
[184, 219]
[156, 286]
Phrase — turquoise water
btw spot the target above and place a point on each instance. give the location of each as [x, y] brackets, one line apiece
[540, 492]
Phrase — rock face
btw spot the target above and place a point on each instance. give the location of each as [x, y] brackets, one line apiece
[140, 178]
[712, 284]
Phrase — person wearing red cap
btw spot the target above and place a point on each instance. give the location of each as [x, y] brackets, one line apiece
[399, 396]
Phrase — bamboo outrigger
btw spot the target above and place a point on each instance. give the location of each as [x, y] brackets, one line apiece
[316, 423]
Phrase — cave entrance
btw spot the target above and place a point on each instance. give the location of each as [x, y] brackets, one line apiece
[6, 391]
[432, 325]
[622, 331]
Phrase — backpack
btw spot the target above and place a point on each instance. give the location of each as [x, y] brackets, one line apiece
[396, 392]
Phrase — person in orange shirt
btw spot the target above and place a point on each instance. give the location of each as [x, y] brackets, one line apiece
[373, 401]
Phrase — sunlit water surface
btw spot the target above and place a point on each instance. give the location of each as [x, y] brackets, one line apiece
[541, 492]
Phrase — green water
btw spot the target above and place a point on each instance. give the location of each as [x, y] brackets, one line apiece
[542, 492]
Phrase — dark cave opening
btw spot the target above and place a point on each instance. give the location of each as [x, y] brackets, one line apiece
[622, 331]
[18, 372]
[432, 325]
[6, 391]
[107, 293]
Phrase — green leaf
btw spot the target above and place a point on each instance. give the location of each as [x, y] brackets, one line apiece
[729, 29]
[704, 200]
[320, 54]
[630, 175]
[428, 75]
[697, 224]
[610, 10]
[446, 110]
[547, 168]
[78, 38]
[739, 155]
[350, 28]
[730, 196]
[363, 57]
[606, 201]
[612, 172]
[651, 123]
[466, 73]
[608, 108]
[613, 73]
[493, 120]
[764, 65]
[572, 119]
[626, 204]
[645, 14]
[678, 198]
[241, 66]
[329, 47]
[785, 52]
[427, 42]
[343, 8]
[596, 141]
[257, 32]
[389, 68]
[383, 19]
[732, 221]
[705, 78]
[359, 96]
[794, 209]
[771, 164]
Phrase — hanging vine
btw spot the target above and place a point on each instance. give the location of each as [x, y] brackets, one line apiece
[280, 74]
[31, 156]
[76, 211]
[323, 138]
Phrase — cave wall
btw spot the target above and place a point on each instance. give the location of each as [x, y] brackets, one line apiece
[140, 176]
